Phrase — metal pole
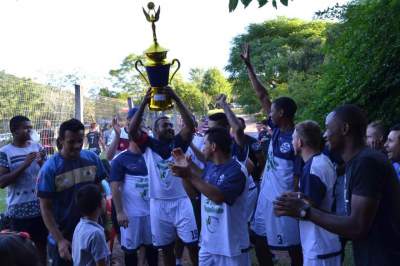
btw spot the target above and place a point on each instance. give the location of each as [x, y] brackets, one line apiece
[78, 102]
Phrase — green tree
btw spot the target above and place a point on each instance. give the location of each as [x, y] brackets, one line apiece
[363, 62]
[190, 94]
[126, 79]
[284, 52]
[214, 83]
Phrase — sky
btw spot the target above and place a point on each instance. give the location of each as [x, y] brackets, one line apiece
[40, 38]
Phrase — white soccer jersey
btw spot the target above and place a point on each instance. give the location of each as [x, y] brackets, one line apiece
[163, 184]
[224, 227]
[317, 182]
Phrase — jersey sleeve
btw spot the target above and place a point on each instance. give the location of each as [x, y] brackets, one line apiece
[313, 188]
[100, 170]
[117, 171]
[46, 180]
[4, 160]
[232, 186]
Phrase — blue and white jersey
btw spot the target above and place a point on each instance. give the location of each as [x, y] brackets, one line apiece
[281, 166]
[224, 226]
[396, 166]
[130, 169]
[317, 182]
[157, 155]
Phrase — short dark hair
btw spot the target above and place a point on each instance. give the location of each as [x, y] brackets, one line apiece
[396, 127]
[379, 126]
[310, 133]
[288, 105]
[158, 119]
[16, 122]
[356, 118]
[221, 137]
[220, 118]
[18, 250]
[88, 199]
[73, 125]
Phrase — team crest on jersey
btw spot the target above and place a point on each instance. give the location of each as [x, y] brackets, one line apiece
[220, 179]
[285, 147]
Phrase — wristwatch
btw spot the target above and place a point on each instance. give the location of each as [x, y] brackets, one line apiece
[304, 212]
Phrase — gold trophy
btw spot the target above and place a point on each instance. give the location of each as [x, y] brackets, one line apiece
[156, 65]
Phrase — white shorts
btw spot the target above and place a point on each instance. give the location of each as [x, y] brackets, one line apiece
[170, 218]
[333, 261]
[257, 224]
[208, 259]
[282, 232]
[136, 234]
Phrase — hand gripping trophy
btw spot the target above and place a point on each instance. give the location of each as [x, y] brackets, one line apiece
[156, 65]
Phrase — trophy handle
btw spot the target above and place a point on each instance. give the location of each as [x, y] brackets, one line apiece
[140, 72]
[176, 70]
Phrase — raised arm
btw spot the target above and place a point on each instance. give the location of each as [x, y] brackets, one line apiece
[237, 129]
[114, 143]
[258, 87]
[187, 117]
[136, 121]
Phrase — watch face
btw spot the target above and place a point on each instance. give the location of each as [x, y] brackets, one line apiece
[303, 213]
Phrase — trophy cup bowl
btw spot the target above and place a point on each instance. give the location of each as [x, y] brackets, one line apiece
[156, 65]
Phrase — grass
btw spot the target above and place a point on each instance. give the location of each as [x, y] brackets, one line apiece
[3, 195]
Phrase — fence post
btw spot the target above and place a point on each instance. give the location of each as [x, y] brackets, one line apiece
[130, 104]
[78, 103]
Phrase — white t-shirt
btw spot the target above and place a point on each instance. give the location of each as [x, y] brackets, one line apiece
[22, 201]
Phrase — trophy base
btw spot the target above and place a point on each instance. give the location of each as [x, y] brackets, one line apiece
[159, 100]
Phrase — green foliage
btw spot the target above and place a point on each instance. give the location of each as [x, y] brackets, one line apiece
[214, 83]
[284, 51]
[126, 78]
[234, 3]
[190, 94]
[363, 62]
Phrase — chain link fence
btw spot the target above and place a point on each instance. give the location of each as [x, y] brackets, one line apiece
[47, 107]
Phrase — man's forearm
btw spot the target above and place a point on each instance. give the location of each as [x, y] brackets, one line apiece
[199, 155]
[259, 88]
[134, 125]
[185, 113]
[113, 147]
[49, 221]
[233, 121]
[116, 192]
[210, 191]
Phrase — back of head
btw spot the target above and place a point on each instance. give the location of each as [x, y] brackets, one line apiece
[88, 199]
[221, 137]
[355, 118]
[17, 250]
[288, 105]
[310, 134]
[73, 125]
[219, 119]
[379, 127]
[17, 121]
